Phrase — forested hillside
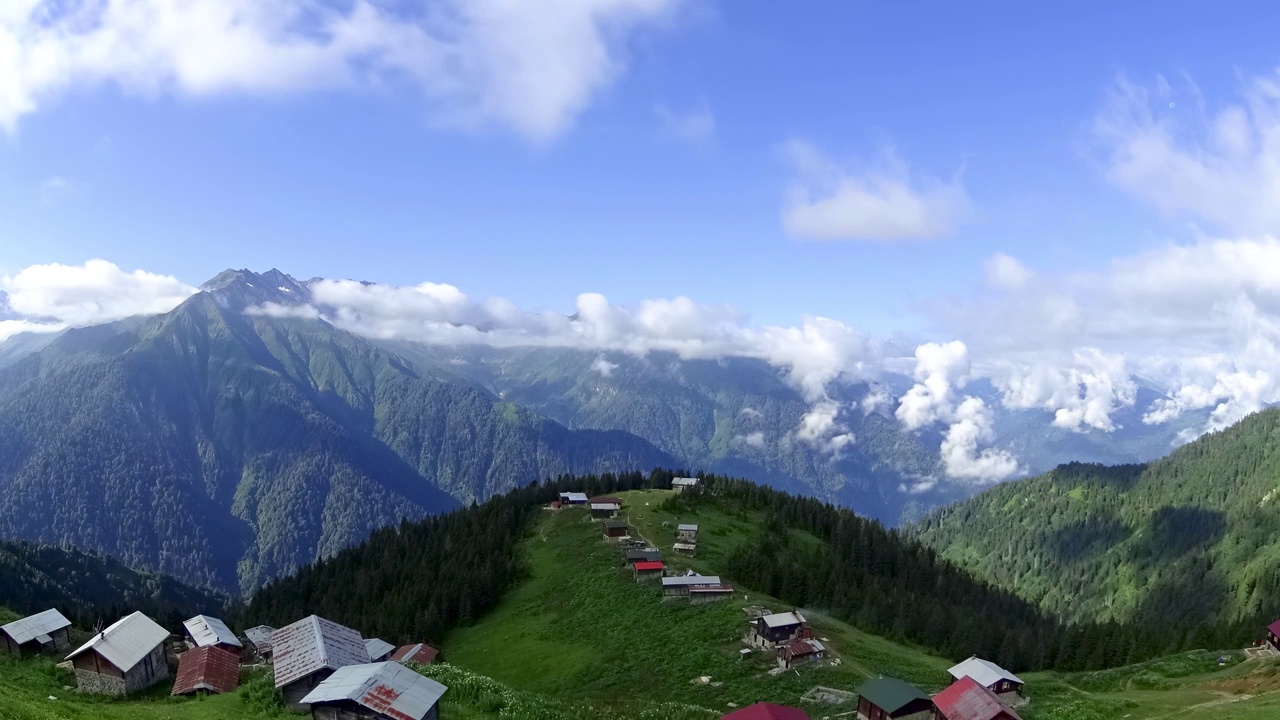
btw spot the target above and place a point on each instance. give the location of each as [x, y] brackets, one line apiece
[1190, 541]
[89, 589]
[226, 448]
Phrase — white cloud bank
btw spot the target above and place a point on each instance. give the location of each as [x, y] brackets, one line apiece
[885, 202]
[530, 66]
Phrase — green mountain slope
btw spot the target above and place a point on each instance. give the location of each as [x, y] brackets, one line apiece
[226, 449]
[1189, 541]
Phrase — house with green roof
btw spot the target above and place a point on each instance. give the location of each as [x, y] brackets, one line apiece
[885, 698]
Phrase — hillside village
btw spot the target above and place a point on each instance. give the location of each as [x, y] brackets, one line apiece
[330, 671]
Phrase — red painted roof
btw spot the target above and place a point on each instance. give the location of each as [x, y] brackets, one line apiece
[967, 700]
[766, 711]
[213, 669]
[1274, 628]
[421, 653]
[650, 565]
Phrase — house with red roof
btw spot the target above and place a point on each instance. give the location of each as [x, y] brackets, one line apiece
[648, 570]
[1273, 634]
[420, 653]
[207, 669]
[766, 711]
[966, 699]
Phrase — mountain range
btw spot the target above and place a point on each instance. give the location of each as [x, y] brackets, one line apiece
[227, 446]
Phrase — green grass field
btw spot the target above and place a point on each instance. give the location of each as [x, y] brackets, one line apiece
[579, 639]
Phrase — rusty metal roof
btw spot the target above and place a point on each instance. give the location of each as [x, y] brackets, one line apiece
[965, 699]
[766, 711]
[378, 649]
[207, 631]
[126, 642]
[420, 653]
[388, 688]
[807, 646]
[260, 636]
[312, 644]
[33, 626]
[211, 668]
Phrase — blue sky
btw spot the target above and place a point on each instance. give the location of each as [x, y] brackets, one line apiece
[363, 182]
[1056, 196]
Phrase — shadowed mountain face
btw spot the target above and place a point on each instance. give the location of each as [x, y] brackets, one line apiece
[226, 449]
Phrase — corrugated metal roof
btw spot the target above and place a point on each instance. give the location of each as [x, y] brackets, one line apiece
[652, 565]
[207, 631]
[766, 711]
[684, 546]
[783, 619]
[126, 642]
[605, 506]
[33, 626]
[687, 526]
[388, 688]
[574, 497]
[891, 694]
[260, 636]
[211, 668]
[421, 653]
[313, 644]
[378, 648]
[986, 673]
[805, 647]
[721, 588]
[677, 482]
[967, 700]
[683, 580]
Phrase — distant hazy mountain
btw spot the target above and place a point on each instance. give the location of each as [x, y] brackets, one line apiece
[226, 449]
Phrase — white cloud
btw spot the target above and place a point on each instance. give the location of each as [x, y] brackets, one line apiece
[1220, 166]
[750, 412]
[940, 369]
[1082, 393]
[696, 126]
[755, 439]
[58, 296]
[53, 190]
[9, 328]
[820, 427]
[533, 67]
[603, 366]
[884, 202]
[279, 310]
[961, 458]
[1007, 272]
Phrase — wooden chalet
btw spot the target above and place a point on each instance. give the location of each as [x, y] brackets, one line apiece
[379, 650]
[208, 669]
[259, 638]
[46, 631]
[1273, 634]
[966, 699]
[766, 711]
[205, 631]
[645, 571]
[799, 652]
[605, 507]
[310, 650]
[125, 658]
[642, 555]
[892, 699]
[684, 484]
[680, 585]
[376, 691]
[573, 498]
[1006, 685]
[615, 529]
[702, 594]
[687, 533]
[770, 631]
[685, 548]
[420, 653]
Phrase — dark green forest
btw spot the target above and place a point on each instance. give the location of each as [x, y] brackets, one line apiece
[1189, 542]
[90, 589]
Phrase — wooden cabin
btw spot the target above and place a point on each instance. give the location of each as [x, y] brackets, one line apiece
[769, 631]
[684, 484]
[308, 652]
[687, 533]
[1006, 685]
[259, 638]
[646, 571]
[376, 691]
[966, 699]
[685, 549]
[420, 653]
[205, 631]
[125, 658]
[799, 652]
[604, 507]
[210, 669]
[642, 555]
[679, 585]
[573, 498]
[702, 594]
[46, 631]
[892, 699]
[615, 529]
[379, 650]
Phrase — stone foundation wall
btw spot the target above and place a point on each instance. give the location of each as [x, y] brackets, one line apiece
[96, 684]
